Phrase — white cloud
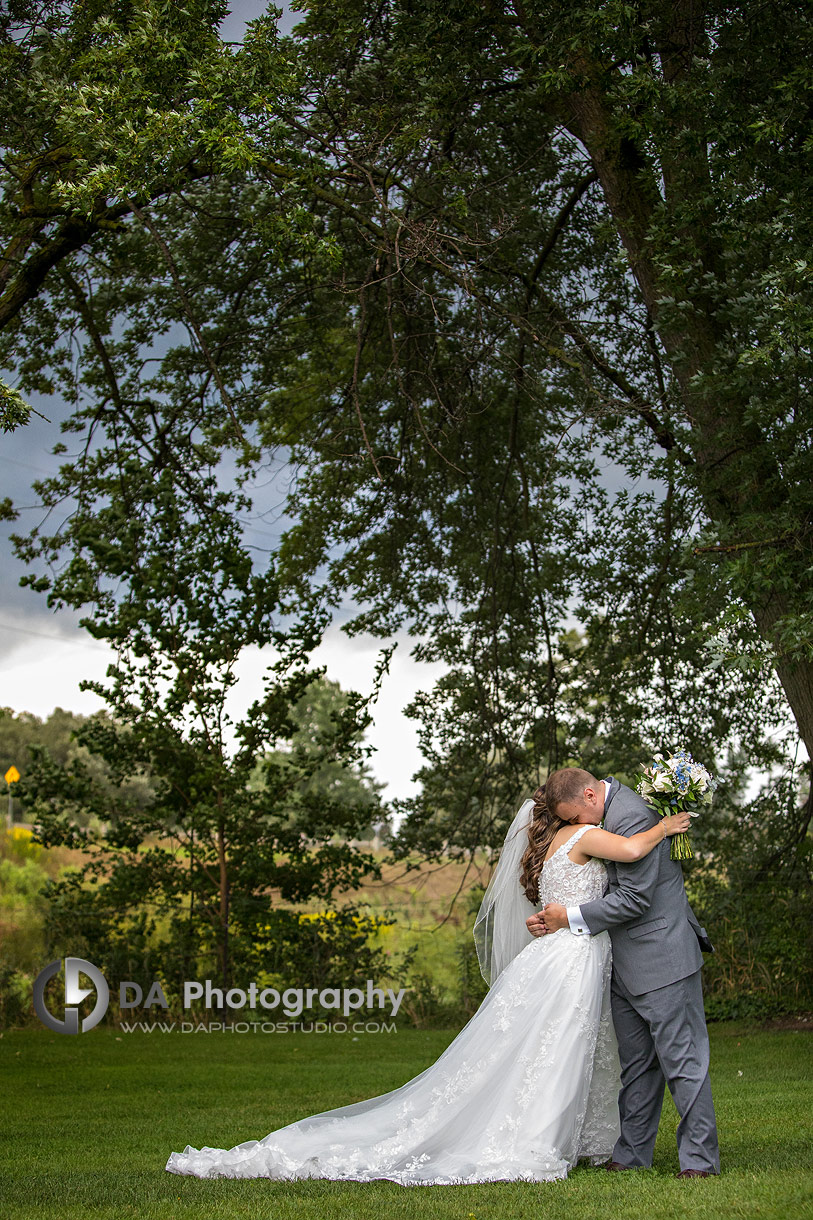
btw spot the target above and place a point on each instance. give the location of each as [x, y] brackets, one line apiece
[352, 663]
[42, 670]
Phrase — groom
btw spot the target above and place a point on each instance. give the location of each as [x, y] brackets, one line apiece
[657, 998]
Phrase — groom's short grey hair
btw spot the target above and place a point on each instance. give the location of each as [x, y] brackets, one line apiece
[566, 786]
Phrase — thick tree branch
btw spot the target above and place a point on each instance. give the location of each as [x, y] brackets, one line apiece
[71, 236]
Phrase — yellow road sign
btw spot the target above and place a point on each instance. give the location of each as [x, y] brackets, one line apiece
[12, 775]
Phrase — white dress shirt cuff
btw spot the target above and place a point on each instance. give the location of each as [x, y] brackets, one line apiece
[577, 924]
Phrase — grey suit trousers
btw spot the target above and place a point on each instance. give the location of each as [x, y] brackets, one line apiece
[662, 1038]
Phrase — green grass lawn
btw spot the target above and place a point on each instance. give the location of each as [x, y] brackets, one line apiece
[87, 1124]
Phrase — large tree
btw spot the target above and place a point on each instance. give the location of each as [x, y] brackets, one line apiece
[466, 258]
[601, 213]
[233, 819]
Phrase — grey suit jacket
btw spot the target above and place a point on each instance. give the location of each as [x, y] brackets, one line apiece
[654, 932]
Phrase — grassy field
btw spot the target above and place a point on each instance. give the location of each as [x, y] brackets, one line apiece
[88, 1122]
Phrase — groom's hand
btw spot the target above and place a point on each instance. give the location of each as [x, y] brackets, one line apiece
[554, 917]
[535, 924]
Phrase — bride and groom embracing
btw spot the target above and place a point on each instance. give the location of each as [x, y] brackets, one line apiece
[595, 1003]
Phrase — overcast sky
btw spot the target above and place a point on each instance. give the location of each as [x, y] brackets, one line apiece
[44, 654]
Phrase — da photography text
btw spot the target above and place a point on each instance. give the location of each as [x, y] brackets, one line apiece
[291, 1001]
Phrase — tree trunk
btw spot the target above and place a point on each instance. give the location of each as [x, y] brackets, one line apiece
[796, 676]
[725, 445]
[223, 939]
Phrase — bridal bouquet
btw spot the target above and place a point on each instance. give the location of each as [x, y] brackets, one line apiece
[673, 784]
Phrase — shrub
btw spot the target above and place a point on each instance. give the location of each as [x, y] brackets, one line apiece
[15, 997]
[763, 960]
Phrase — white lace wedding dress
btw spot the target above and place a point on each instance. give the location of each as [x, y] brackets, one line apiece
[527, 1088]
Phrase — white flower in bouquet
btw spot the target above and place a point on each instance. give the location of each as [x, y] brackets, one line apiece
[673, 784]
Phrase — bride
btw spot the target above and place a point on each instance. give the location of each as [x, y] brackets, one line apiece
[529, 1085]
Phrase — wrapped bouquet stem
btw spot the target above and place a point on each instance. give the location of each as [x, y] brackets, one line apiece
[673, 784]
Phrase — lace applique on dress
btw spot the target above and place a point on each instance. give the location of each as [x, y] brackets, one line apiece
[568, 883]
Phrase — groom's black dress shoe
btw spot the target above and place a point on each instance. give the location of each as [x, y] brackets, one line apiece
[695, 1173]
[616, 1166]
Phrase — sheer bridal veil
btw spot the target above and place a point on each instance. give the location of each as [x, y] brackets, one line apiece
[499, 929]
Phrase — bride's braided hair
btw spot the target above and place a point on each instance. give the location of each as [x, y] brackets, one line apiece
[541, 833]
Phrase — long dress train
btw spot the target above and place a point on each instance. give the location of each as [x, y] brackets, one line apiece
[526, 1089]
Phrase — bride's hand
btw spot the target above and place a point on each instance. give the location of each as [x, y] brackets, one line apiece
[676, 824]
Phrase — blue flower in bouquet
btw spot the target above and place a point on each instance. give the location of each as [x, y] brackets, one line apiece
[676, 782]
